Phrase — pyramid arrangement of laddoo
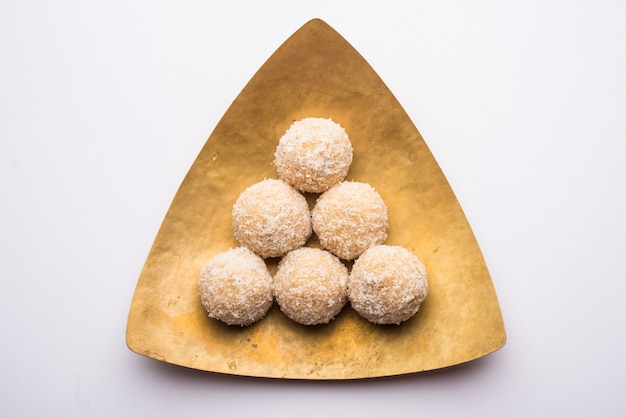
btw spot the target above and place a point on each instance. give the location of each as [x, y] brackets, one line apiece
[271, 219]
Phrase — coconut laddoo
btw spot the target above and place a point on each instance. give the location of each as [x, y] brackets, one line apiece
[271, 218]
[310, 285]
[349, 218]
[313, 155]
[387, 284]
[235, 287]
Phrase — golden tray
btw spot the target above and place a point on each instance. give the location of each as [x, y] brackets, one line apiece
[316, 73]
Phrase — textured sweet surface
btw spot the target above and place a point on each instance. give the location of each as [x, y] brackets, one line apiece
[387, 284]
[235, 287]
[313, 155]
[349, 218]
[310, 285]
[271, 218]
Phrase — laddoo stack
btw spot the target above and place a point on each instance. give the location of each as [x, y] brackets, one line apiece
[271, 219]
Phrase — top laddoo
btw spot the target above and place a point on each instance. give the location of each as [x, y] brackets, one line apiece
[313, 155]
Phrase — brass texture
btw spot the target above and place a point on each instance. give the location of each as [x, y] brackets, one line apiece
[316, 73]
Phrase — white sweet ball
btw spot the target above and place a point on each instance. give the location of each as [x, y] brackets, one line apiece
[271, 218]
[387, 284]
[310, 285]
[313, 155]
[235, 287]
[349, 218]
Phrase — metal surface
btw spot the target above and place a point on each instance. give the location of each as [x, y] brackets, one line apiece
[316, 73]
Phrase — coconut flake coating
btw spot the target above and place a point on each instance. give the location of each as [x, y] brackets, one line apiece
[271, 218]
[235, 287]
[387, 284]
[350, 218]
[313, 155]
[310, 285]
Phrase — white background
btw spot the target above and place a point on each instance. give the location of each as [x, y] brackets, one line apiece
[105, 105]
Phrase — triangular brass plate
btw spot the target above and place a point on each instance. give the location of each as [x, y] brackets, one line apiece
[316, 73]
